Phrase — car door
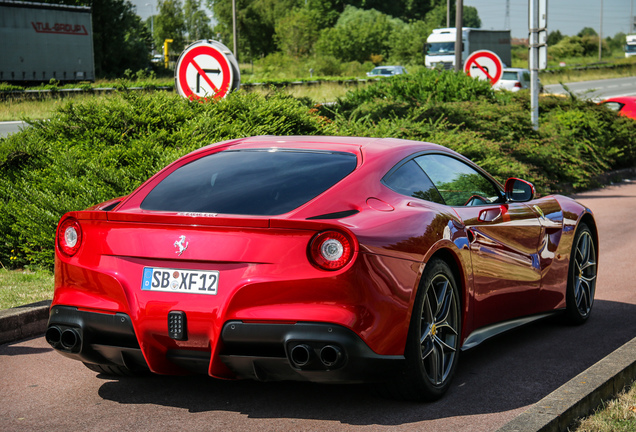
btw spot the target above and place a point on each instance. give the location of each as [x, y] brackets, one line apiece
[504, 239]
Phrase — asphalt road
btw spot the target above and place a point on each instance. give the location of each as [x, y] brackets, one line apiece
[597, 90]
[40, 389]
[10, 127]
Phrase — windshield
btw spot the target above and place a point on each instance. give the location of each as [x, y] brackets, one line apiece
[250, 182]
[382, 71]
[441, 48]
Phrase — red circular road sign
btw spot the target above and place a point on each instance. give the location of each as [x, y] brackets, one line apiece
[205, 71]
[485, 65]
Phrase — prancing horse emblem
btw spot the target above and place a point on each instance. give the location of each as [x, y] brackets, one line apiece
[182, 244]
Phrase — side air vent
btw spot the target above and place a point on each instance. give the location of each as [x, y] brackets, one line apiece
[336, 215]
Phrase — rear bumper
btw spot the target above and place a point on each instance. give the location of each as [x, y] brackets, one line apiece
[317, 352]
[93, 337]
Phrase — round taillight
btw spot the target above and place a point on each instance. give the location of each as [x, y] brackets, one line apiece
[331, 250]
[69, 237]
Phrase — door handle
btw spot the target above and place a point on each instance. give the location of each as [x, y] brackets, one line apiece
[490, 215]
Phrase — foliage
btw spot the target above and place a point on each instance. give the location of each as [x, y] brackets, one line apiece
[120, 40]
[407, 43]
[413, 90]
[437, 16]
[358, 34]
[296, 32]
[577, 46]
[170, 24]
[197, 23]
[554, 37]
[587, 31]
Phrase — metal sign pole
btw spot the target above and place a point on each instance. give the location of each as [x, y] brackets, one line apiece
[533, 59]
[234, 32]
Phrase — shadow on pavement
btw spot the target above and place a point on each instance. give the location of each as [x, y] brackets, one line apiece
[509, 372]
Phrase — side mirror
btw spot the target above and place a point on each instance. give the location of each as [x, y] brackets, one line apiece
[518, 190]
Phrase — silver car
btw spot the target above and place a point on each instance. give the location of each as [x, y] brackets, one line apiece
[514, 79]
[383, 71]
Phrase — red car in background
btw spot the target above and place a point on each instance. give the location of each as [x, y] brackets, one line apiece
[625, 105]
[325, 259]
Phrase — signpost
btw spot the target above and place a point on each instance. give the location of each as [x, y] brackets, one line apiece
[538, 56]
[206, 69]
[484, 65]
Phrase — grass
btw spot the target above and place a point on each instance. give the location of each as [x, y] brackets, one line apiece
[616, 415]
[20, 287]
[37, 109]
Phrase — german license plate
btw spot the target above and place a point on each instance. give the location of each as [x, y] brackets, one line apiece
[180, 281]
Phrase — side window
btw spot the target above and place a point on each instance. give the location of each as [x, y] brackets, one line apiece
[410, 180]
[458, 183]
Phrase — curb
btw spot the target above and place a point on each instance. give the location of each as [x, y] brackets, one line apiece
[579, 396]
[24, 321]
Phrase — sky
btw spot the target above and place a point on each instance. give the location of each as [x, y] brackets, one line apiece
[567, 16]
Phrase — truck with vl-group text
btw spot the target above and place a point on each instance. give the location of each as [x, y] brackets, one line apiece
[41, 42]
[440, 45]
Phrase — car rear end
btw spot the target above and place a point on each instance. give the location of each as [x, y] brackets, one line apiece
[204, 268]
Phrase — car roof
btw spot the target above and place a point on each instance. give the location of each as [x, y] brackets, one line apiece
[507, 69]
[391, 150]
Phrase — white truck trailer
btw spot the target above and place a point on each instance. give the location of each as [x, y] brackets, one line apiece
[440, 45]
[44, 41]
[630, 45]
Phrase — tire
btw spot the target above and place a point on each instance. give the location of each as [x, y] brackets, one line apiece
[112, 370]
[432, 346]
[581, 276]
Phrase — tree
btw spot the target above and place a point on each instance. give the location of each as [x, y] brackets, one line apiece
[120, 39]
[358, 34]
[197, 23]
[554, 37]
[170, 24]
[407, 43]
[587, 31]
[436, 18]
[296, 33]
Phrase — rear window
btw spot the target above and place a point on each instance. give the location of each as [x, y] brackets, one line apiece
[510, 76]
[250, 182]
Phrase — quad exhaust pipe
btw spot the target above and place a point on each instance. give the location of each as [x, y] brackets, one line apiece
[68, 339]
[303, 356]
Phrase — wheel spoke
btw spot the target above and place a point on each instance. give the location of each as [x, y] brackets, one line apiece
[444, 345]
[433, 361]
[440, 296]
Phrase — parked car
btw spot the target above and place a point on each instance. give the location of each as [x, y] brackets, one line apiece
[625, 105]
[383, 71]
[325, 259]
[515, 79]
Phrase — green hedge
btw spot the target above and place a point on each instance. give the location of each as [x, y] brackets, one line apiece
[92, 151]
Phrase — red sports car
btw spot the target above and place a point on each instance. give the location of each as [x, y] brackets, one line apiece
[326, 259]
[625, 105]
